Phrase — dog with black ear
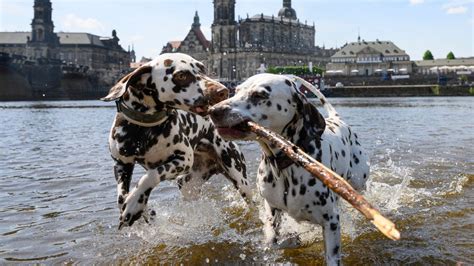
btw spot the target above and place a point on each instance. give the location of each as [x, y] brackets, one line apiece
[275, 102]
[160, 125]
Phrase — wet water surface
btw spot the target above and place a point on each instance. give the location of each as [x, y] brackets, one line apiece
[57, 196]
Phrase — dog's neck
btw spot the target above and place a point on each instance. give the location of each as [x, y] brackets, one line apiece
[294, 131]
[141, 109]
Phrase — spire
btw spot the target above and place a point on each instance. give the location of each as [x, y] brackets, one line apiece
[196, 23]
[287, 3]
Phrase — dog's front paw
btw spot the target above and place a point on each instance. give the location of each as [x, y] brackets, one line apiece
[133, 208]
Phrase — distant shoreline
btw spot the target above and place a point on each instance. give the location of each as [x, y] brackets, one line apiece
[345, 92]
[401, 91]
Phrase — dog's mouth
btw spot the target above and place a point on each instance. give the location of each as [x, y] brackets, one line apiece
[237, 131]
[200, 110]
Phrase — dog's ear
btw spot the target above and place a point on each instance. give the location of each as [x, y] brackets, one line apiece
[130, 79]
[313, 120]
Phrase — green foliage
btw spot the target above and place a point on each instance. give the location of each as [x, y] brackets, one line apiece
[428, 55]
[450, 56]
[435, 90]
[295, 70]
[471, 90]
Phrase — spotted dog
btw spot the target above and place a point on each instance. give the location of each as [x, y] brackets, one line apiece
[275, 102]
[160, 125]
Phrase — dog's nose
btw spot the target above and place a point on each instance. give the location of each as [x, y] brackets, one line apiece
[217, 113]
[216, 92]
[220, 95]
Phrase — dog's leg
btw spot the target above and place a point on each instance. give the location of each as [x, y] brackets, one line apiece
[332, 238]
[138, 198]
[204, 166]
[123, 175]
[271, 224]
[232, 161]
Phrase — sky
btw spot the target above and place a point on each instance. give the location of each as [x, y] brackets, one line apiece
[413, 25]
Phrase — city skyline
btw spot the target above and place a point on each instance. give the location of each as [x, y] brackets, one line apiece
[415, 25]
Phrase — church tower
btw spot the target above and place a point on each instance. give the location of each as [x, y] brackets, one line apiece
[224, 40]
[224, 27]
[43, 42]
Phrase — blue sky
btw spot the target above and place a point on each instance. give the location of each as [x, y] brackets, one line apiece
[414, 25]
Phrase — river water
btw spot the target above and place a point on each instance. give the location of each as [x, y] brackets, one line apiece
[57, 192]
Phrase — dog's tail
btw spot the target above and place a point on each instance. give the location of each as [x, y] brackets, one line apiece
[327, 106]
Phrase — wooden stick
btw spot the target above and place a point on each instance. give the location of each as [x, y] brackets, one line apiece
[330, 179]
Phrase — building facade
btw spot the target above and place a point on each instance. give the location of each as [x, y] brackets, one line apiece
[463, 66]
[241, 48]
[364, 58]
[84, 49]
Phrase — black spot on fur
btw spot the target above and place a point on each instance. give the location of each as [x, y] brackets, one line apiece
[302, 189]
[285, 193]
[326, 217]
[335, 251]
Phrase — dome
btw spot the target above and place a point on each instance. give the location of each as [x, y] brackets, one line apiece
[286, 11]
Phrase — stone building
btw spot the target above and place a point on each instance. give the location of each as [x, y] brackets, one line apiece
[83, 49]
[364, 58]
[244, 47]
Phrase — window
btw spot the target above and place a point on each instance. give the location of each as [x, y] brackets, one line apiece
[40, 34]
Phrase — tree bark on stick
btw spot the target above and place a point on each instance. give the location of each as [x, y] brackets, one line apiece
[330, 179]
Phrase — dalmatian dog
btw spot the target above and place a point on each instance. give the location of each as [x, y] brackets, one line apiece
[275, 102]
[160, 125]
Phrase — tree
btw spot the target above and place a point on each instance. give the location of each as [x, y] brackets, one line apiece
[428, 55]
[450, 56]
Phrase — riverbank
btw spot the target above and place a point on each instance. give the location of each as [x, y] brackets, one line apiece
[401, 91]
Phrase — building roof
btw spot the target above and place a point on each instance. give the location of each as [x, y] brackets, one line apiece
[14, 37]
[65, 38]
[262, 17]
[201, 38]
[446, 62]
[386, 48]
[73, 38]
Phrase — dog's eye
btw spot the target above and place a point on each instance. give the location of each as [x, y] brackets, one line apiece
[259, 95]
[183, 78]
[180, 76]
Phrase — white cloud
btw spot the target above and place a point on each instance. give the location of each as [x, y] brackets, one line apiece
[455, 7]
[72, 22]
[456, 10]
[416, 2]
